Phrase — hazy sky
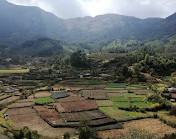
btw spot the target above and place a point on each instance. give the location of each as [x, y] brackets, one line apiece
[79, 8]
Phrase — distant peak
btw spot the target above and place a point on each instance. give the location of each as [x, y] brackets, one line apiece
[171, 17]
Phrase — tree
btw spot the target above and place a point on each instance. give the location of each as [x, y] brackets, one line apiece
[78, 60]
[85, 132]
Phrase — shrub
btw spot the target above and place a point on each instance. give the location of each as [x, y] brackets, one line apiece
[154, 98]
[162, 106]
[173, 111]
[172, 136]
[66, 135]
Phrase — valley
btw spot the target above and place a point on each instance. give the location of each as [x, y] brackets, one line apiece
[110, 76]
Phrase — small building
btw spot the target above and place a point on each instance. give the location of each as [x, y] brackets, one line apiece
[173, 100]
[82, 75]
[172, 90]
[173, 97]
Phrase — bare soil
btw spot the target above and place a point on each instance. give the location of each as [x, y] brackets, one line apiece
[42, 94]
[77, 116]
[71, 98]
[20, 111]
[84, 105]
[20, 105]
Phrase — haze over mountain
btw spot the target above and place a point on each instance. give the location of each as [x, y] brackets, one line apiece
[21, 23]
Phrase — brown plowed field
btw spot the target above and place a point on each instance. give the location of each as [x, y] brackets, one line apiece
[94, 94]
[25, 100]
[42, 94]
[4, 97]
[71, 98]
[26, 120]
[8, 100]
[84, 105]
[20, 111]
[29, 117]
[59, 107]
[50, 115]
[20, 105]
[77, 116]
[153, 126]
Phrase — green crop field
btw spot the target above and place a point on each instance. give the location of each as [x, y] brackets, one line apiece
[12, 71]
[45, 100]
[121, 115]
[119, 99]
[90, 81]
[136, 86]
[116, 86]
[104, 103]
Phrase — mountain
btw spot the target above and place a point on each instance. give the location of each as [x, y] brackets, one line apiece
[21, 23]
[39, 47]
[108, 26]
[163, 29]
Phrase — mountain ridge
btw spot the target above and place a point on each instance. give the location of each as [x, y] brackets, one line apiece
[21, 23]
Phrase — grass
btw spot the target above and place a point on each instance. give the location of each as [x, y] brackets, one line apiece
[109, 88]
[104, 103]
[45, 100]
[138, 134]
[5, 122]
[121, 115]
[159, 87]
[12, 71]
[137, 86]
[90, 81]
[138, 104]
[116, 85]
[167, 118]
[145, 104]
[137, 99]
[122, 104]
[119, 99]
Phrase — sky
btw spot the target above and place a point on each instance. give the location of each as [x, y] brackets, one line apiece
[80, 8]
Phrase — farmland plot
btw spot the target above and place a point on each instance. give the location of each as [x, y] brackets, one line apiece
[26, 120]
[26, 100]
[104, 121]
[95, 94]
[80, 106]
[104, 103]
[57, 95]
[4, 97]
[153, 126]
[114, 94]
[58, 106]
[9, 100]
[20, 105]
[77, 116]
[42, 94]
[142, 92]
[121, 115]
[50, 115]
[71, 98]
[20, 111]
[116, 86]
